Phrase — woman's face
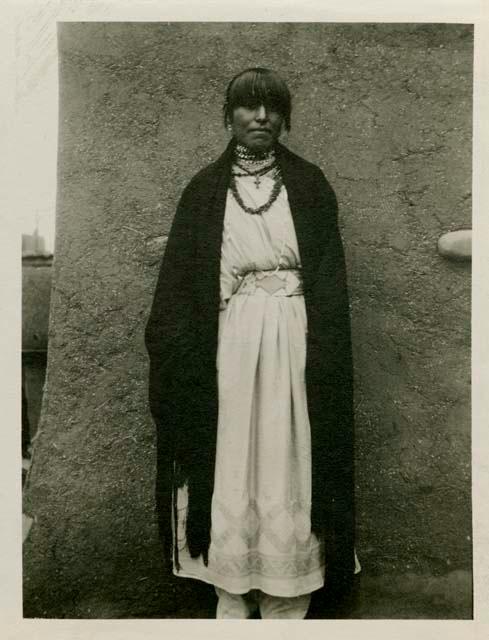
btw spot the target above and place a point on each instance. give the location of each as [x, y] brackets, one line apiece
[257, 128]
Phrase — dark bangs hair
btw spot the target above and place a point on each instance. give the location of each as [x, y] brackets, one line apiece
[254, 87]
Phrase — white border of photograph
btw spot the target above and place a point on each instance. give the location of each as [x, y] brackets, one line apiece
[28, 129]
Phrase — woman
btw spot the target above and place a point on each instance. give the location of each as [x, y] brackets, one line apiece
[251, 371]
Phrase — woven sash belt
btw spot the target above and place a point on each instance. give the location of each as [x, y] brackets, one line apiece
[285, 282]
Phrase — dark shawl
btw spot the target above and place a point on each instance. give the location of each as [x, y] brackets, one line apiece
[182, 337]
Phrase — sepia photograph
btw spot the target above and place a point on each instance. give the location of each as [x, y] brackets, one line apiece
[246, 333]
[244, 346]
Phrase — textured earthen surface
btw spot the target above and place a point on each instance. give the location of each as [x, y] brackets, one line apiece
[36, 294]
[385, 110]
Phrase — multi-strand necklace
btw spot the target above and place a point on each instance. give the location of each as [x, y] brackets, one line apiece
[256, 165]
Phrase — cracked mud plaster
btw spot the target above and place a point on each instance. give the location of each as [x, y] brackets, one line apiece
[385, 110]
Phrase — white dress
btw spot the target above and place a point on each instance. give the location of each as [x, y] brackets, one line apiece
[261, 534]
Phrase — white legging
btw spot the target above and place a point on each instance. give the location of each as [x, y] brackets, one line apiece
[242, 606]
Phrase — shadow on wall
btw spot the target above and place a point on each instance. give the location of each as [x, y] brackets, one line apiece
[36, 293]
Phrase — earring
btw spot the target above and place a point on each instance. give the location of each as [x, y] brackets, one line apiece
[229, 127]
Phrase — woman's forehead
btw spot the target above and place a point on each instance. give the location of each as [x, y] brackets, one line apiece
[254, 101]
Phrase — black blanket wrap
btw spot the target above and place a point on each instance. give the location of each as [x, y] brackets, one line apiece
[182, 337]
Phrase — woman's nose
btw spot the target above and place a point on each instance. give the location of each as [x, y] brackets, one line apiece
[261, 113]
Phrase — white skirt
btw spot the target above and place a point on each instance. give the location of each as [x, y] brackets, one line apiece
[261, 527]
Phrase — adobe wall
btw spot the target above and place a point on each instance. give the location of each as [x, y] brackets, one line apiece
[385, 110]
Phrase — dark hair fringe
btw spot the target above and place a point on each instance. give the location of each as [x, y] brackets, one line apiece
[256, 86]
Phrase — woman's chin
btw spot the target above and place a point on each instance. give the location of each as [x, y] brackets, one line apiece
[260, 145]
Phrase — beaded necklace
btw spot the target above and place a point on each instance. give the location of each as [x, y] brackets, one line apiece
[257, 173]
[244, 153]
[258, 166]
